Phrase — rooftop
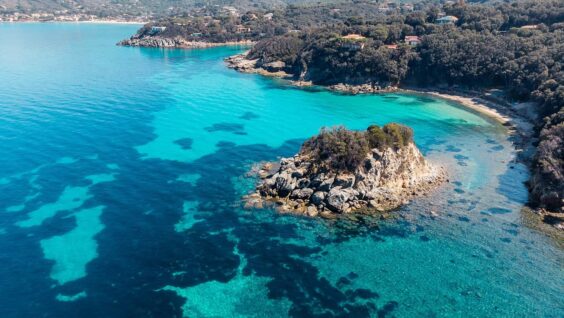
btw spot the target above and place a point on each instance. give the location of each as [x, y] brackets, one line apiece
[353, 37]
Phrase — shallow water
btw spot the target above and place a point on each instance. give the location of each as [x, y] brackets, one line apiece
[120, 181]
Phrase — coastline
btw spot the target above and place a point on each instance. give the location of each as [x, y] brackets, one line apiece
[177, 43]
[475, 103]
[478, 102]
[510, 115]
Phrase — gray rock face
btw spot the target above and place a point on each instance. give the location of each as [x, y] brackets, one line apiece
[385, 180]
[172, 42]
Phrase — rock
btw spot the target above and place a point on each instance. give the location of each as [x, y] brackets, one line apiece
[312, 211]
[298, 173]
[384, 180]
[344, 180]
[284, 184]
[337, 198]
[318, 197]
[302, 193]
[274, 66]
[302, 183]
[326, 184]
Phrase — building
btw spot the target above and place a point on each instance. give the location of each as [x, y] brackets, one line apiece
[392, 46]
[412, 40]
[242, 29]
[407, 7]
[157, 29]
[268, 16]
[353, 41]
[529, 27]
[449, 19]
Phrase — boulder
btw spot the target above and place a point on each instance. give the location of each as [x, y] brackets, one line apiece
[318, 197]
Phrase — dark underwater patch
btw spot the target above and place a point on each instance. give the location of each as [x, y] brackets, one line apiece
[497, 148]
[234, 128]
[185, 143]
[249, 116]
[463, 219]
[505, 240]
[496, 211]
[226, 144]
[458, 190]
[387, 309]
[451, 148]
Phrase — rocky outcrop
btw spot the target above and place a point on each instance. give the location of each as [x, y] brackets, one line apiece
[362, 88]
[384, 180]
[241, 63]
[174, 42]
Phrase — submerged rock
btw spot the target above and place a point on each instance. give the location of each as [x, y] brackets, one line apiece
[385, 178]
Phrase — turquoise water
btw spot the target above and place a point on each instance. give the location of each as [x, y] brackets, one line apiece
[120, 182]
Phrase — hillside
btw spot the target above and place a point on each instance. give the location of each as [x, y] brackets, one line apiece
[133, 7]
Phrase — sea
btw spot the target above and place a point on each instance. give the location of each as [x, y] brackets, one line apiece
[122, 171]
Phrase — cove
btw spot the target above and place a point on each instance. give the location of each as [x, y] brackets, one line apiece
[135, 159]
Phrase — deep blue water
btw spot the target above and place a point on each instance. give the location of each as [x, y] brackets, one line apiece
[121, 172]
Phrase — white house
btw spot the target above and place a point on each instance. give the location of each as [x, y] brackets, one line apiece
[449, 19]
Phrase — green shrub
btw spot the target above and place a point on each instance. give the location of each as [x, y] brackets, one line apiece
[377, 138]
[338, 148]
[398, 135]
[342, 149]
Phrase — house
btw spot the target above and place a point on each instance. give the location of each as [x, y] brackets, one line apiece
[412, 40]
[242, 29]
[196, 35]
[529, 27]
[353, 41]
[268, 16]
[407, 7]
[354, 37]
[157, 29]
[392, 46]
[230, 11]
[449, 19]
[383, 8]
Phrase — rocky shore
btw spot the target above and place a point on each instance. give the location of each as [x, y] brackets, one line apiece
[385, 179]
[176, 42]
[241, 63]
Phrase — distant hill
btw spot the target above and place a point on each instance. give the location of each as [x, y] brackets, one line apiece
[136, 7]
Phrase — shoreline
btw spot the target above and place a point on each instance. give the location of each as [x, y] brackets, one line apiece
[475, 101]
[177, 43]
[519, 124]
